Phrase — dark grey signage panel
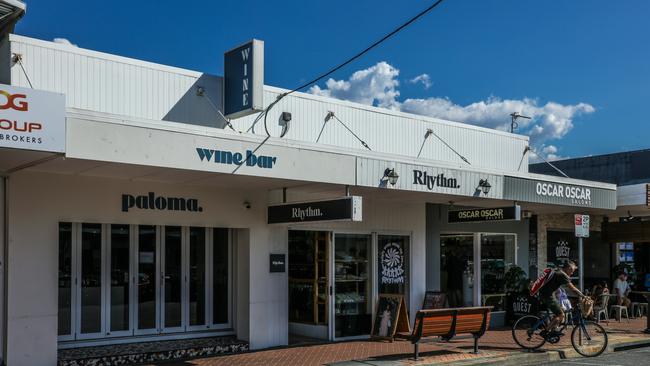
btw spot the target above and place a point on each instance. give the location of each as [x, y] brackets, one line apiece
[510, 213]
[277, 263]
[346, 208]
[243, 79]
[556, 193]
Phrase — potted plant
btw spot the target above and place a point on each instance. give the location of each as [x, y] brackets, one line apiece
[518, 299]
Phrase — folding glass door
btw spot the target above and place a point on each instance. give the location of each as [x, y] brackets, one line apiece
[121, 280]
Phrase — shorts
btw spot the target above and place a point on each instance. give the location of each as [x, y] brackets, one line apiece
[552, 304]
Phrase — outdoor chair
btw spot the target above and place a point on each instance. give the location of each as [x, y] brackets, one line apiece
[601, 308]
[639, 308]
[619, 309]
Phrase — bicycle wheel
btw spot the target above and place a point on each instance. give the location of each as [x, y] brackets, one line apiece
[589, 339]
[526, 332]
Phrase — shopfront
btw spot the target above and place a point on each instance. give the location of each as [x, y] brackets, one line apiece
[355, 267]
[152, 224]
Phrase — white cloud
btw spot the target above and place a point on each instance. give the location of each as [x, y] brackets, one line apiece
[425, 79]
[64, 41]
[378, 85]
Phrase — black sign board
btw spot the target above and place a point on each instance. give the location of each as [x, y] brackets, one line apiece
[346, 208]
[277, 263]
[485, 214]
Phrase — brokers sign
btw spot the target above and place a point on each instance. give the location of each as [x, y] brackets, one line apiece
[243, 79]
[32, 119]
[485, 214]
[345, 208]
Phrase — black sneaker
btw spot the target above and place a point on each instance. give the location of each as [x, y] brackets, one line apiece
[543, 333]
[555, 333]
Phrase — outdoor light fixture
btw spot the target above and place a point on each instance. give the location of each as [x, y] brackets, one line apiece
[286, 116]
[485, 186]
[391, 176]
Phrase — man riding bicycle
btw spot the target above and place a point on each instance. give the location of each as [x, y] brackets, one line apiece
[547, 297]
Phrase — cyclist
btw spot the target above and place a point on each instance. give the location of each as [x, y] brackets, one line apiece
[561, 277]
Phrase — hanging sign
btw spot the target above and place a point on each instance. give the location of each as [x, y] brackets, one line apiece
[345, 208]
[511, 213]
[243, 80]
[392, 264]
[582, 226]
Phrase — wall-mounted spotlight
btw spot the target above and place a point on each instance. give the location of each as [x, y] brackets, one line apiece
[200, 91]
[286, 116]
[485, 186]
[391, 176]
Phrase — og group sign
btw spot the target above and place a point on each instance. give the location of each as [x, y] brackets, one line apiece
[32, 119]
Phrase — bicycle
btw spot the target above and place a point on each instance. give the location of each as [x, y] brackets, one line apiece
[588, 338]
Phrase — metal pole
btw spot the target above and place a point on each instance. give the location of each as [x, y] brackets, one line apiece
[581, 270]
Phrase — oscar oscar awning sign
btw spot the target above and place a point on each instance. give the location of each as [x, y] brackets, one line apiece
[339, 209]
[510, 213]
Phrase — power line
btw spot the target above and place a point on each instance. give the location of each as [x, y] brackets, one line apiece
[364, 51]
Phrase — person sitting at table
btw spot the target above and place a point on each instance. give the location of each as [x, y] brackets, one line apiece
[622, 290]
[598, 290]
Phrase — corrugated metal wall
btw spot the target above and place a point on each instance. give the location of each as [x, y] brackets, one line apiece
[118, 85]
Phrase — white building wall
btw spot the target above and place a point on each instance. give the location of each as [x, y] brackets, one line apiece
[38, 202]
[118, 85]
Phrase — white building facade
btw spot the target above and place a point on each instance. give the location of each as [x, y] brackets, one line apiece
[150, 221]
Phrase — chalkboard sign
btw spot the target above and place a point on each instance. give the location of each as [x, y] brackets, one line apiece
[434, 300]
[390, 317]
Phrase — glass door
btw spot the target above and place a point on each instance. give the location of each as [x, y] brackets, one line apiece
[119, 255]
[89, 291]
[147, 293]
[352, 305]
[172, 280]
[197, 286]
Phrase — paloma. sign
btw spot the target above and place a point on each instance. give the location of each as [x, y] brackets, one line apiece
[32, 119]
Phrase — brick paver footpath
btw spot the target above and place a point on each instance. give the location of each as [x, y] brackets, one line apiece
[494, 344]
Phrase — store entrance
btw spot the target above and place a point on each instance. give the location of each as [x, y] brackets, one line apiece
[330, 287]
[309, 285]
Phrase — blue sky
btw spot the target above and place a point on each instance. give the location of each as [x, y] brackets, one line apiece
[580, 67]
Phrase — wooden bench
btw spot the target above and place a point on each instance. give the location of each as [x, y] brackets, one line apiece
[444, 324]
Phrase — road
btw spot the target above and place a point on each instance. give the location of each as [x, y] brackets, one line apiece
[632, 357]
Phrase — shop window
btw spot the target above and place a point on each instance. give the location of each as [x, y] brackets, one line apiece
[497, 256]
[146, 289]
